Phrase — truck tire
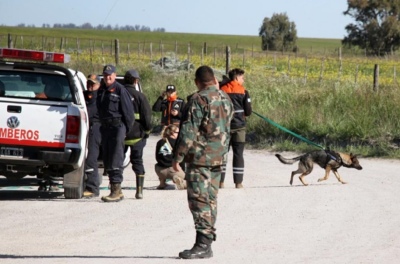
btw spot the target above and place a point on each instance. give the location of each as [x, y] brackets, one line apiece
[74, 183]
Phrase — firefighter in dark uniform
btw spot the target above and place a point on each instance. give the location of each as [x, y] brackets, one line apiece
[241, 101]
[170, 105]
[137, 137]
[91, 164]
[116, 117]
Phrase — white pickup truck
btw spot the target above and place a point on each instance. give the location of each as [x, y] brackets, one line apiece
[43, 119]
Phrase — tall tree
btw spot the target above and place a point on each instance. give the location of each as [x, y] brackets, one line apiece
[377, 26]
[278, 33]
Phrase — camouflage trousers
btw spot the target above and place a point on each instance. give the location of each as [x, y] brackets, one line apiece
[202, 192]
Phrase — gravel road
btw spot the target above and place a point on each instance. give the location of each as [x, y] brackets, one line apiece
[268, 221]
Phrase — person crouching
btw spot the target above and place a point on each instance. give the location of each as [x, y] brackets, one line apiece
[163, 167]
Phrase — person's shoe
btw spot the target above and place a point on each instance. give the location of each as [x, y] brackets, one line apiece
[179, 182]
[198, 251]
[239, 186]
[88, 194]
[221, 185]
[116, 194]
[161, 187]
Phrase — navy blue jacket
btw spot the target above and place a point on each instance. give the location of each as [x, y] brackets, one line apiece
[91, 105]
[114, 102]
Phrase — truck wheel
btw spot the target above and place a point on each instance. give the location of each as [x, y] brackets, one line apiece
[74, 183]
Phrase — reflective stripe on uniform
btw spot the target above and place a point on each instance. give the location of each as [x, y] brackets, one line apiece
[131, 142]
[238, 170]
[137, 116]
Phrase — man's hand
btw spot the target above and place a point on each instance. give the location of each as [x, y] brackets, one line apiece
[176, 166]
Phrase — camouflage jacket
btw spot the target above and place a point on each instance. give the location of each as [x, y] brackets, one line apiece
[205, 129]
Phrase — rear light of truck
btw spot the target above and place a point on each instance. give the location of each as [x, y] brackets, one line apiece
[73, 128]
[33, 55]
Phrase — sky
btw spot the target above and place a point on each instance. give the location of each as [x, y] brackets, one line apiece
[313, 18]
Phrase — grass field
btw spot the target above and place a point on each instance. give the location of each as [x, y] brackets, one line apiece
[197, 40]
[315, 93]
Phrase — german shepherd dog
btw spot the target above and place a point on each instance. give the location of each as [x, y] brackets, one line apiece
[326, 159]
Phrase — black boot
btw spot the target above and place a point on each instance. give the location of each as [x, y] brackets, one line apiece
[139, 186]
[200, 250]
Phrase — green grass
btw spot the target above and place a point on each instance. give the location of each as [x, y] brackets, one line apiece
[334, 112]
[236, 42]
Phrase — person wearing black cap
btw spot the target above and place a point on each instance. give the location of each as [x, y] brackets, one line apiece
[136, 138]
[171, 106]
[94, 140]
[136, 79]
[116, 117]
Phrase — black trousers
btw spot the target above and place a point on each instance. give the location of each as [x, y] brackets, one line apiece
[113, 147]
[91, 164]
[137, 156]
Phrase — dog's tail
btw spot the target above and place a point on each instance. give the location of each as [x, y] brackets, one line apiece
[287, 161]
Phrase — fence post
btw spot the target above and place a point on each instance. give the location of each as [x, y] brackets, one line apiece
[129, 52]
[151, 51]
[322, 70]
[215, 56]
[376, 77]
[340, 68]
[10, 41]
[244, 60]
[116, 51]
[228, 59]
[205, 48]
[306, 71]
[188, 57]
[61, 44]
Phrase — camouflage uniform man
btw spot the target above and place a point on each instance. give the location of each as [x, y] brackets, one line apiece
[203, 143]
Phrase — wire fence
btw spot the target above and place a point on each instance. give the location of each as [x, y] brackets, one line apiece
[329, 65]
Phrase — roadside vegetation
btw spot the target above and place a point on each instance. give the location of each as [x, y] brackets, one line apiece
[326, 98]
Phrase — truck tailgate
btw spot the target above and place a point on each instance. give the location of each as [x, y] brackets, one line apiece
[34, 125]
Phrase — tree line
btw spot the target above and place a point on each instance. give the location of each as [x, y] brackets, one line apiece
[99, 27]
